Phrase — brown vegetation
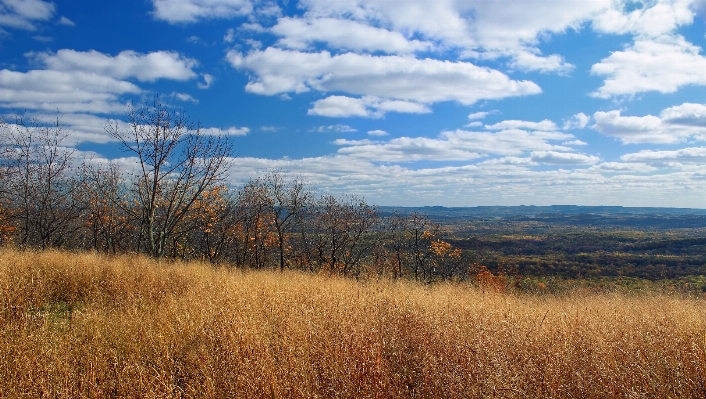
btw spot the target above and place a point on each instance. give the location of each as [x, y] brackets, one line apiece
[86, 325]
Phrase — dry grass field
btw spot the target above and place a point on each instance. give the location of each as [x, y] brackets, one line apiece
[83, 325]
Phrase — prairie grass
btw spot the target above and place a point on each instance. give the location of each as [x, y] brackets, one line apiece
[84, 325]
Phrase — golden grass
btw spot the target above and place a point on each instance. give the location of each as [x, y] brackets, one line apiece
[83, 325]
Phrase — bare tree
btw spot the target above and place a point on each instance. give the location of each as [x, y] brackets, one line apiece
[288, 200]
[39, 186]
[176, 163]
[343, 226]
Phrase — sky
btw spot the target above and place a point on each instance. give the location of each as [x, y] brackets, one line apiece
[403, 102]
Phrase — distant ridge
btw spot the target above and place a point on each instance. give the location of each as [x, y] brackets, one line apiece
[532, 210]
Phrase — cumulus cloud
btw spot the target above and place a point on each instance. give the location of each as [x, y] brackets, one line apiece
[333, 128]
[675, 124]
[186, 11]
[83, 127]
[663, 65]
[301, 34]
[378, 133]
[79, 82]
[184, 97]
[480, 115]
[527, 60]
[649, 19]
[515, 124]
[207, 81]
[229, 37]
[507, 180]
[24, 14]
[397, 77]
[63, 91]
[127, 64]
[230, 131]
[622, 167]
[563, 158]
[578, 121]
[687, 114]
[685, 155]
[459, 145]
[368, 107]
[474, 25]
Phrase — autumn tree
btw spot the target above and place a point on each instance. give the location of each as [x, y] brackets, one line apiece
[107, 207]
[343, 225]
[256, 232]
[214, 225]
[176, 162]
[288, 199]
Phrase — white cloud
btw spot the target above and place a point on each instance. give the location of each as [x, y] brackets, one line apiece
[229, 37]
[574, 142]
[339, 106]
[406, 149]
[473, 24]
[185, 11]
[63, 91]
[369, 107]
[563, 158]
[457, 145]
[65, 21]
[662, 65]
[231, 131]
[685, 155]
[378, 133]
[498, 181]
[649, 19]
[347, 142]
[480, 115]
[127, 64]
[207, 81]
[301, 34]
[184, 97]
[687, 114]
[333, 128]
[78, 82]
[82, 127]
[621, 167]
[45, 39]
[675, 124]
[515, 124]
[23, 14]
[396, 77]
[578, 121]
[526, 60]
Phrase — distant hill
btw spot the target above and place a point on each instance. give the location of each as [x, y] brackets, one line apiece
[440, 212]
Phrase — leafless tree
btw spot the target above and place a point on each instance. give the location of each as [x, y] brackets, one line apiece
[176, 163]
[343, 226]
[39, 185]
[288, 200]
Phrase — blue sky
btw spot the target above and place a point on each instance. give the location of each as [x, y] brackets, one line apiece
[415, 102]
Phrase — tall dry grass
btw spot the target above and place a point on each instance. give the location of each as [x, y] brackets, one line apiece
[82, 325]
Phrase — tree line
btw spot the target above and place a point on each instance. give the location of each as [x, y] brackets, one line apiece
[170, 199]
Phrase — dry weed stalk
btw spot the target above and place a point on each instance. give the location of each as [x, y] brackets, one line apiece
[87, 326]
